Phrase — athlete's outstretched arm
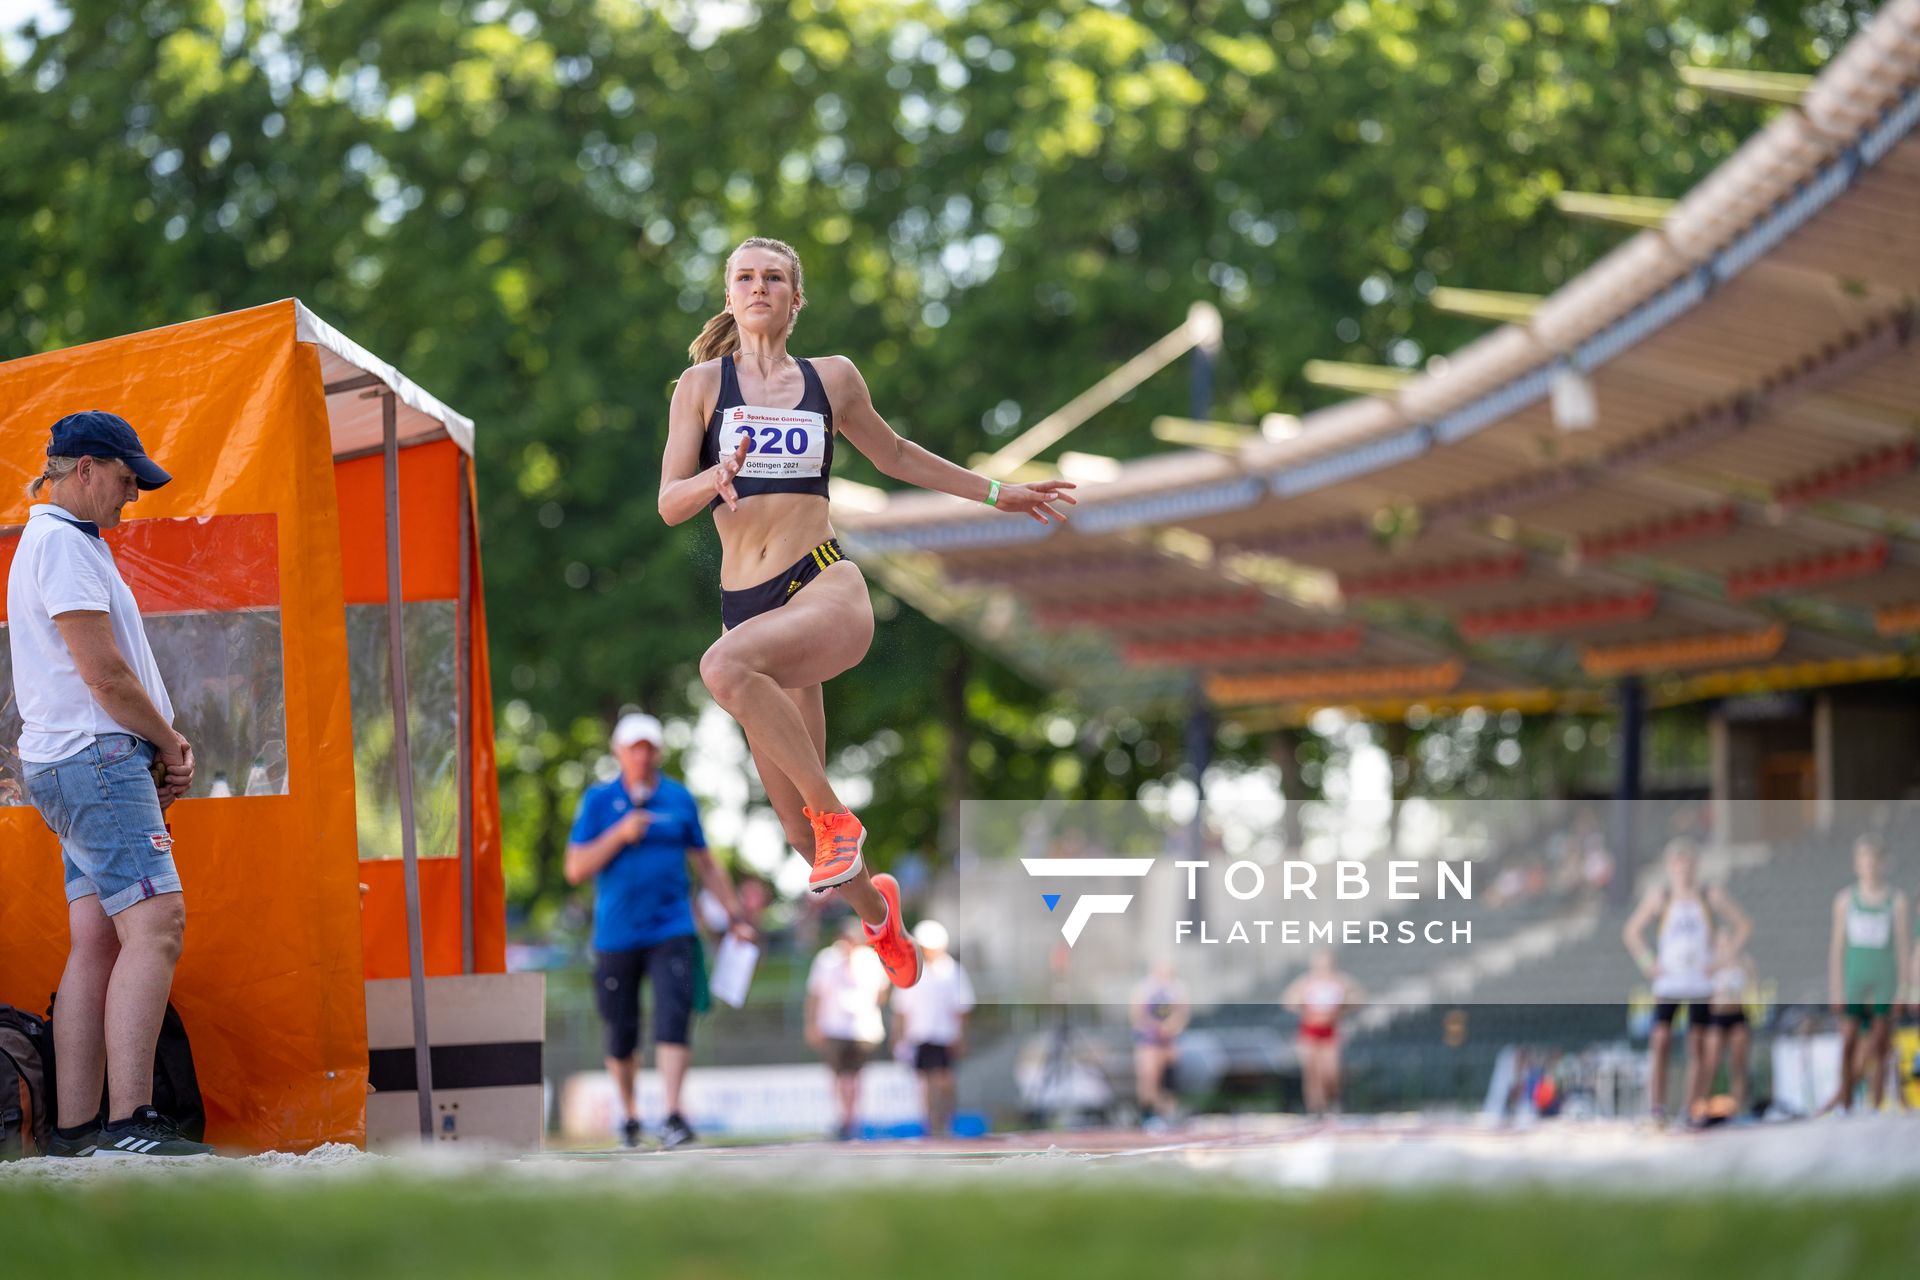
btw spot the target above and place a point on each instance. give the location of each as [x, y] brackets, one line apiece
[1902, 941]
[1137, 1011]
[1837, 951]
[1634, 932]
[1913, 979]
[1179, 1015]
[686, 489]
[1738, 921]
[902, 459]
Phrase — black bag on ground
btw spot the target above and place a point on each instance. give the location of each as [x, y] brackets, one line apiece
[26, 1084]
[176, 1089]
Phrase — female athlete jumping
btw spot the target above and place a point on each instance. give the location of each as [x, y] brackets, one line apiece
[750, 437]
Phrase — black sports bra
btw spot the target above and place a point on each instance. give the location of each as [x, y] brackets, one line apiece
[792, 449]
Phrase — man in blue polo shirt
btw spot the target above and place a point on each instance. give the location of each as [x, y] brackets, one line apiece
[634, 836]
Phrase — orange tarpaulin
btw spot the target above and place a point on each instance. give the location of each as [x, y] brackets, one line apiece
[270, 984]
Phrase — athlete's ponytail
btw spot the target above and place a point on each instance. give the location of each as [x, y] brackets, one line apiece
[721, 335]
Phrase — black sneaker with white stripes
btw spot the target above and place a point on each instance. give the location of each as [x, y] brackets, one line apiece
[676, 1132]
[145, 1133]
[82, 1144]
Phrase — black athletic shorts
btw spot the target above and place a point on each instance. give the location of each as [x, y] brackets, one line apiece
[1729, 1020]
[750, 602]
[668, 966]
[932, 1057]
[1699, 1012]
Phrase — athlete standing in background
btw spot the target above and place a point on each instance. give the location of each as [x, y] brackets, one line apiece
[1866, 955]
[1159, 1014]
[1318, 998]
[1680, 967]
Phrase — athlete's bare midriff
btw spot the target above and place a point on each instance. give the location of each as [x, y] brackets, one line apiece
[768, 533]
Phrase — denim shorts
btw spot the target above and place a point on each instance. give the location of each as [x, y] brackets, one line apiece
[102, 803]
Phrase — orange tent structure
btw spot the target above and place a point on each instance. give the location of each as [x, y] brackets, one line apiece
[263, 573]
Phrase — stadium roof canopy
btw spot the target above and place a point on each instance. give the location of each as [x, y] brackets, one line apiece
[1743, 511]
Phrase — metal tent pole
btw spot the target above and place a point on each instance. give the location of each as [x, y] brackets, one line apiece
[403, 767]
[1628, 789]
[1204, 320]
[463, 649]
[1199, 752]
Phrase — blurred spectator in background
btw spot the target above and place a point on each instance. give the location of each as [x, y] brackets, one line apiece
[753, 895]
[1508, 886]
[1596, 865]
[1581, 862]
[1679, 966]
[1867, 954]
[1318, 998]
[633, 837]
[930, 1020]
[1728, 1032]
[1533, 878]
[1159, 1013]
[844, 989]
[1913, 965]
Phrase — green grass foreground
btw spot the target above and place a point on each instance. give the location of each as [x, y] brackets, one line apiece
[480, 1227]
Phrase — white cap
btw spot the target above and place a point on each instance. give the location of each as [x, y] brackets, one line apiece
[931, 935]
[635, 727]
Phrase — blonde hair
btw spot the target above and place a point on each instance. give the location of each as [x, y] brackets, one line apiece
[721, 335]
[56, 469]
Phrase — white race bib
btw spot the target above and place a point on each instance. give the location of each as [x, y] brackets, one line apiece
[788, 444]
[1870, 930]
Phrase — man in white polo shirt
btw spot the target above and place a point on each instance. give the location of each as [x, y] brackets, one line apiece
[101, 760]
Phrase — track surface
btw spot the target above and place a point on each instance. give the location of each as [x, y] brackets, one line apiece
[1281, 1153]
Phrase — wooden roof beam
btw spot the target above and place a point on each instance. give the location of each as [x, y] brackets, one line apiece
[1243, 647]
[1559, 615]
[1219, 437]
[1486, 304]
[1360, 379]
[1201, 328]
[1818, 569]
[1785, 88]
[1717, 648]
[1337, 683]
[1632, 211]
[1157, 611]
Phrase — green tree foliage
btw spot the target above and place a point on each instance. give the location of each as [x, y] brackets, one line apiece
[527, 206]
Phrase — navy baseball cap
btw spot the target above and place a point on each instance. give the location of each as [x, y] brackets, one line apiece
[95, 433]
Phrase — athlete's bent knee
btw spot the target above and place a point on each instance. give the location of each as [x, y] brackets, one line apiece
[724, 675]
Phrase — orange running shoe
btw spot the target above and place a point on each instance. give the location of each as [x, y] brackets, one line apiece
[898, 956]
[837, 838]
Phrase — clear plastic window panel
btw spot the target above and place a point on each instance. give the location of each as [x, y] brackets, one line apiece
[224, 674]
[431, 634]
[208, 589]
